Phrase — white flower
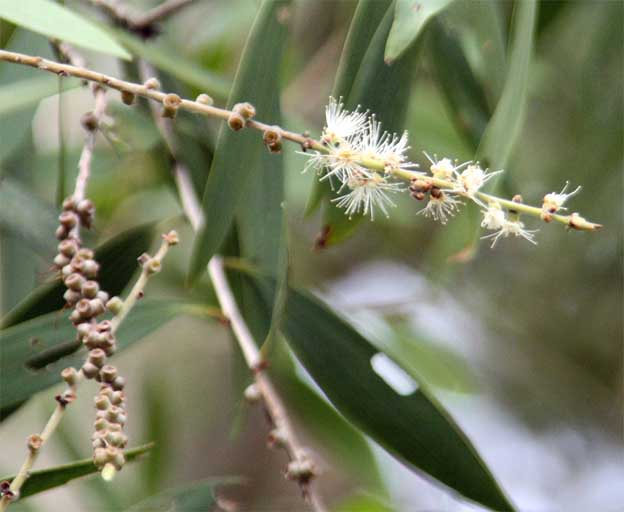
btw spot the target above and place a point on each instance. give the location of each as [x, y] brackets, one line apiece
[441, 206]
[493, 217]
[367, 193]
[342, 162]
[511, 227]
[472, 178]
[443, 169]
[385, 148]
[341, 124]
[554, 201]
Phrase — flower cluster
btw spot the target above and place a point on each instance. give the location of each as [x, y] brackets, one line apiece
[79, 272]
[354, 142]
[366, 162]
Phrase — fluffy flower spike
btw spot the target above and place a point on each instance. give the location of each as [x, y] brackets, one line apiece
[367, 193]
[341, 124]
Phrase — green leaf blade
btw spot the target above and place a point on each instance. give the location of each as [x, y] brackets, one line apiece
[237, 153]
[55, 21]
[410, 18]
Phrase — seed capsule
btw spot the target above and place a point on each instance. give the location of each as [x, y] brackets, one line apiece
[236, 121]
[204, 99]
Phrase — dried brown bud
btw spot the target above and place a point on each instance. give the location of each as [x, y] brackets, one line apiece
[128, 97]
[236, 121]
[171, 102]
[89, 122]
[272, 138]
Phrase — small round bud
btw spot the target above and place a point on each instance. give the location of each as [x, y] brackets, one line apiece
[89, 122]
[90, 268]
[89, 289]
[272, 138]
[119, 383]
[75, 317]
[117, 397]
[106, 390]
[252, 394]
[100, 424]
[171, 102]
[152, 84]
[204, 99]
[70, 376]
[114, 305]
[100, 457]
[69, 203]
[236, 121]
[128, 97]
[517, 198]
[86, 210]
[86, 253]
[247, 110]
[68, 248]
[104, 326]
[61, 233]
[103, 296]
[68, 219]
[277, 437]
[119, 460]
[171, 238]
[83, 330]
[34, 442]
[102, 403]
[74, 282]
[109, 373]
[116, 439]
[90, 370]
[83, 307]
[60, 260]
[97, 356]
[98, 442]
[97, 307]
[113, 412]
[67, 270]
[152, 266]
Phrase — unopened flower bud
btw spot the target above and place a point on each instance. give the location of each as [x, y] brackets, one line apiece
[83, 330]
[100, 457]
[83, 307]
[61, 233]
[152, 84]
[102, 403]
[89, 289]
[103, 296]
[236, 121]
[113, 412]
[171, 238]
[108, 373]
[117, 397]
[68, 248]
[74, 282]
[97, 356]
[60, 260]
[100, 424]
[97, 307]
[252, 394]
[89, 370]
[70, 376]
[128, 97]
[171, 102]
[90, 268]
[68, 219]
[152, 266]
[86, 253]
[204, 99]
[114, 305]
[247, 110]
[119, 383]
[104, 326]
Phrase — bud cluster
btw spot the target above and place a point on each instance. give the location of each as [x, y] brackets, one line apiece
[108, 437]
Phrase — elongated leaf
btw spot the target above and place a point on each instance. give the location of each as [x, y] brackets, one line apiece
[504, 128]
[187, 498]
[413, 426]
[26, 216]
[183, 69]
[410, 17]
[34, 352]
[117, 258]
[366, 19]
[383, 89]
[46, 479]
[237, 153]
[53, 20]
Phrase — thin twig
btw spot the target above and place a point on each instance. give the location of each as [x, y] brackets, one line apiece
[141, 23]
[573, 221]
[190, 204]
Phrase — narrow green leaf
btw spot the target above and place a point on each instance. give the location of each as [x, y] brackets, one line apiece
[411, 424]
[383, 89]
[366, 20]
[26, 216]
[504, 128]
[236, 154]
[410, 17]
[117, 258]
[55, 21]
[183, 69]
[34, 352]
[187, 498]
[46, 479]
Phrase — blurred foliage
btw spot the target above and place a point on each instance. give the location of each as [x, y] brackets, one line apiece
[548, 345]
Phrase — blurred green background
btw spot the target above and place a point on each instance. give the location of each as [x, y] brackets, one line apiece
[523, 343]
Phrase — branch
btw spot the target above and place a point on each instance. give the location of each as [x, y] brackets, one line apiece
[141, 23]
[238, 119]
[297, 452]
